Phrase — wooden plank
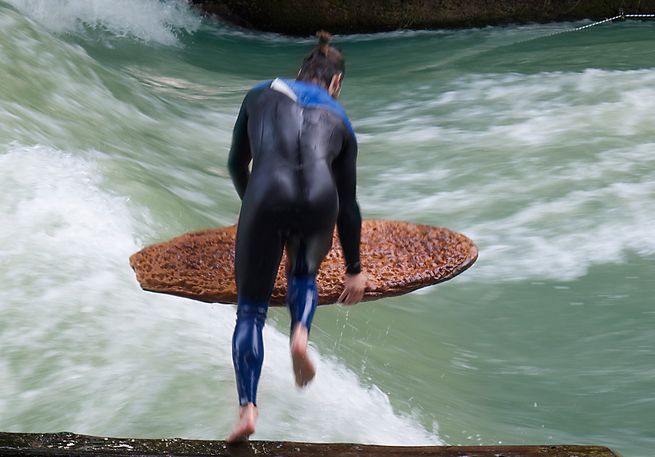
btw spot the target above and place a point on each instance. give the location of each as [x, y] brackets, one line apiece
[72, 445]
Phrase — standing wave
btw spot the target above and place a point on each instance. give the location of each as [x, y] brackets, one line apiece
[148, 20]
[85, 350]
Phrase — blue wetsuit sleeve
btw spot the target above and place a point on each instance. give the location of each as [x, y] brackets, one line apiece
[240, 154]
[349, 221]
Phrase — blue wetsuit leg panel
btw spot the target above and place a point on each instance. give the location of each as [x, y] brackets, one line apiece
[248, 349]
[302, 298]
[306, 253]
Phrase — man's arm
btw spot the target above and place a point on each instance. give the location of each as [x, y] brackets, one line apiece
[240, 154]
[349, 221]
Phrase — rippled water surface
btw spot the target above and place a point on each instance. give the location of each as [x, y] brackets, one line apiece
[115, 121]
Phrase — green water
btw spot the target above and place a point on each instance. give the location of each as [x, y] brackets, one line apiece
[115, 121]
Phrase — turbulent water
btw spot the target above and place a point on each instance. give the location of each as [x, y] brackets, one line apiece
[115, 121]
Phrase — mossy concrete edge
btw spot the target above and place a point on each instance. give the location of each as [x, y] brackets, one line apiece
[74, 445]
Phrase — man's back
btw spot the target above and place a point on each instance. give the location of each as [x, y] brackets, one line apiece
[293, 146]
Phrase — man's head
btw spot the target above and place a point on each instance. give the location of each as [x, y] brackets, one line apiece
[324, 65]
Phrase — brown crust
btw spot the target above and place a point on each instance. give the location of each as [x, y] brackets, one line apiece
[398, 257]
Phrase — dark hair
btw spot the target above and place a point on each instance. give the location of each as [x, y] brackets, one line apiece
[323, 62]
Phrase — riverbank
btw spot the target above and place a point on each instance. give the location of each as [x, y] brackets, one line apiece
[304, 17]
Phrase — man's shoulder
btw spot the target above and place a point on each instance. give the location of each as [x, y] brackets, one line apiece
[307, 95]
[262, 85]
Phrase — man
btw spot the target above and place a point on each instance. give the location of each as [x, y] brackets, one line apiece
[303, 151]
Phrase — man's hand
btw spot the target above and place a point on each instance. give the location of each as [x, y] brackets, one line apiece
[353, 288]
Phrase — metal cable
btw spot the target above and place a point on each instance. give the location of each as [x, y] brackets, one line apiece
[621, 16]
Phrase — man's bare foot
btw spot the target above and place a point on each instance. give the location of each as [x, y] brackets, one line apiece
[303, 367]
[246, 425]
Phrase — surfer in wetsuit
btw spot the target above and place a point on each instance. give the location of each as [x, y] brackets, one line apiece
[303, 151]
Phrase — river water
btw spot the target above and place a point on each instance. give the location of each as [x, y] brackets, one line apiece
[115, 122]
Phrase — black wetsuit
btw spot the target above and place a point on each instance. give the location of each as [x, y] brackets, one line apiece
[303, 151]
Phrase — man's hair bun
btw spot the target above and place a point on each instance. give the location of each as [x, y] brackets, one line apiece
[324, 39]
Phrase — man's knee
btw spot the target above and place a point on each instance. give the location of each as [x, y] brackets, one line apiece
[252, 312]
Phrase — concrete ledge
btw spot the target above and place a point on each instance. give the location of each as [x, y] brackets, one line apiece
[72, 445]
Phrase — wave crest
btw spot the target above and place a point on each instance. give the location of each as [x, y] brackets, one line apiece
[146, 20]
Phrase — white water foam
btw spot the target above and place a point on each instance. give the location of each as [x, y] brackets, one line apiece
[85, 350]
[148, 20]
